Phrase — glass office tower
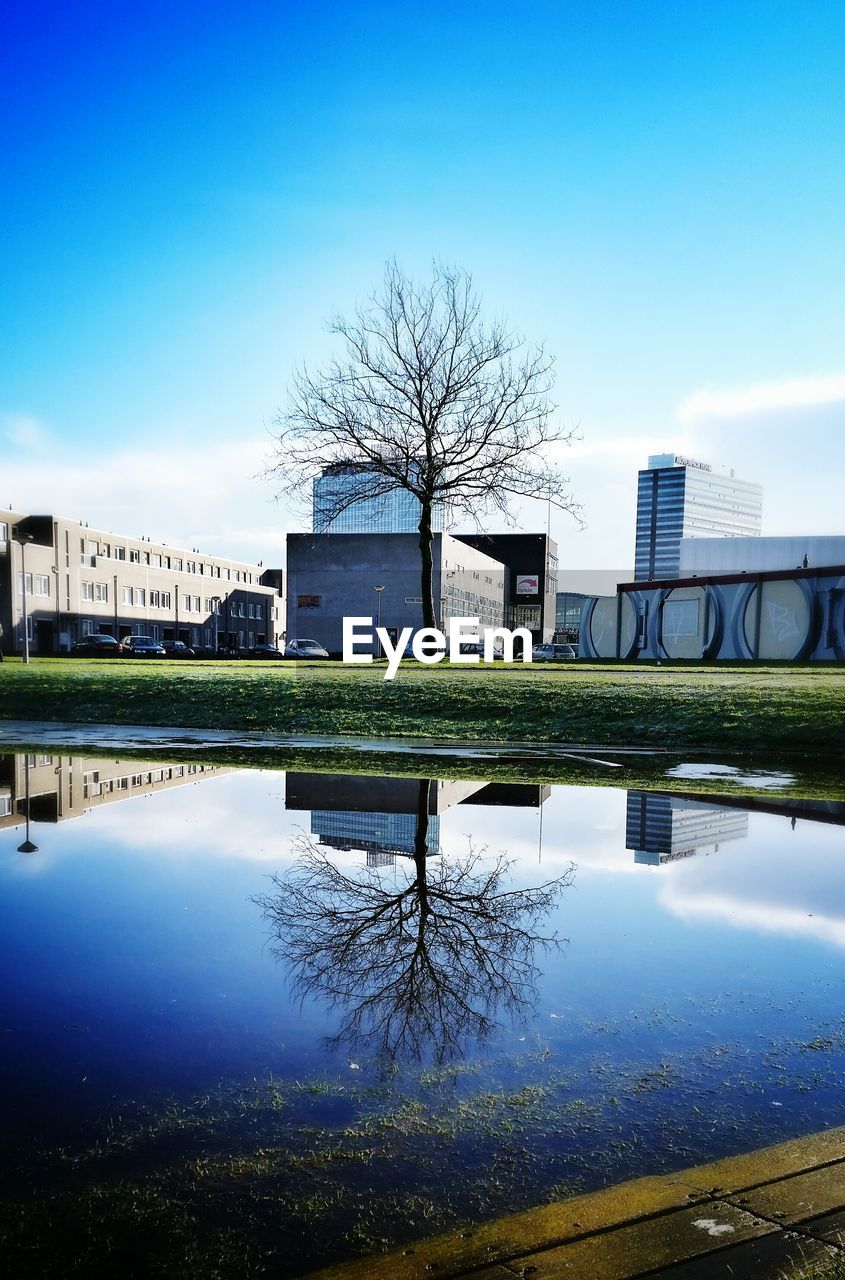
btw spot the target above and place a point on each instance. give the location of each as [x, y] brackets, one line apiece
[678, 498]
[343, 501]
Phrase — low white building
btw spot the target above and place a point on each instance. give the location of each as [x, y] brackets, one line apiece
[707, 556]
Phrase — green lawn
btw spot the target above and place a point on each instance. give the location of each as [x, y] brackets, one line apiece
[785, 709]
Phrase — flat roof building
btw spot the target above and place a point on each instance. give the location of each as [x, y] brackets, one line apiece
[80, 581]
[331, 576]
[530, 561]
[680, 497]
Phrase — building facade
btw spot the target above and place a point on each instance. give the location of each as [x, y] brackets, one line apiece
[530, 561]
[679, 497]
[332, 576]
[708, 556]
[351, 499]
[781, 615]
[79, 581]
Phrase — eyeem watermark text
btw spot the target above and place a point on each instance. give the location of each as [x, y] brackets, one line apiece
[462, 641]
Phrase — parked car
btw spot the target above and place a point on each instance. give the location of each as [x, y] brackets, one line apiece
[266, 651]
[178, 649]
[97, 646]
[469, 647]
[552, 652]
[142, 647]
[305, 649]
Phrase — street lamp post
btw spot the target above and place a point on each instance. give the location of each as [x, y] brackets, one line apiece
[23, 539]
[215, 604]
[378, 591]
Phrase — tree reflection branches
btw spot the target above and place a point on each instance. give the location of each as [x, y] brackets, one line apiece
[420, 966]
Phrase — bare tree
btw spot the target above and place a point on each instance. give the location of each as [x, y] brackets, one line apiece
[428, 398]
[419, 967]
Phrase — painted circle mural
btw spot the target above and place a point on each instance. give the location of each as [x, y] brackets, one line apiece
[686, 622]
[781, 610]
[603, 623]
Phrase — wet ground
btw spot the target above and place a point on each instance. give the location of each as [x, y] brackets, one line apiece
[264, 1021]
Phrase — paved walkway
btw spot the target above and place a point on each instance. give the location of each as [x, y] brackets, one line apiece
[749, 1217]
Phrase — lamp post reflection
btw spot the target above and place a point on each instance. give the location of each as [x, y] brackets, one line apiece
[27, 846]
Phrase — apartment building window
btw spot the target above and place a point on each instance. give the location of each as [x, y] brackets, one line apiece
[155, 561]
[233, 609]
[195, 604]
[259, 612]
[87, 590]
[127, 595]
[120, 553]
[105, 550]
[155, 599]
[241, 610]
[139, 597]
[241, 639]
[192, 566]
[4, 531]
[165, 560]
[229, 575]
[134, 555]
[252, 639]
[5, 801]
[42, 584]
[202, 567]
[154, 631]
[165, 599]
[209, 637]
[186, 603]
[86, 627]
[28, 584]
[101, 592]
[195, 636]
[252, 610]
[177, 564]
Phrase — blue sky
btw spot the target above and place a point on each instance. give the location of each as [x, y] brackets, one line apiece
[655, 190]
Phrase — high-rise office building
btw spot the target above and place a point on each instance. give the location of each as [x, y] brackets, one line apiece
[677, 498]
[351, 499]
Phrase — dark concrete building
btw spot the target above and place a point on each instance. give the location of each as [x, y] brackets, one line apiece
[331, 576]
[530, 561]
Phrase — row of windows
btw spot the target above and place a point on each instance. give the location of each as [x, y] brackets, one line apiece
[41, 582]
[89, 549]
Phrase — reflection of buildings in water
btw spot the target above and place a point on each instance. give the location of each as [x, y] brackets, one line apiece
[662, 828]
[63, 787]
[379, 815]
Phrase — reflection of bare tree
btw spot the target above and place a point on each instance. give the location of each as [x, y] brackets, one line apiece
[419, 967]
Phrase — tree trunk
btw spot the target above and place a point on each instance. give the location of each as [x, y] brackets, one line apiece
[426, 566]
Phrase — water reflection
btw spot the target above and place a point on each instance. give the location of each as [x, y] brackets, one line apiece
[666, 828]
[420, 964]
[42, 788]
[380, 816]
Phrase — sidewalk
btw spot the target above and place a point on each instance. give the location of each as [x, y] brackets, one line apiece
[747, 1217]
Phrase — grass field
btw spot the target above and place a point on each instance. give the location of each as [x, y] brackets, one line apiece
[784, 709]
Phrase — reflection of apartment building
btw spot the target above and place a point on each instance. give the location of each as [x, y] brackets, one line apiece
[79, 581]
[661, 828]
[381, 816]
[53, 788]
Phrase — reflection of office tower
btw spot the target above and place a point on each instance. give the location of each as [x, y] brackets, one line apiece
[380, 815]
[678, 498]
[661, 828]
[62, 787]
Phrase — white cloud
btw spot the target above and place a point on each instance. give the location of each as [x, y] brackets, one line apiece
[209, 495]
[761, 397]
[24, 432]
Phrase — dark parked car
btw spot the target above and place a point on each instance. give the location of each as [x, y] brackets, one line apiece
[552, 652]
[305, 649]
[142, 647]
[266, 651]
[97, 647]
[177, 649]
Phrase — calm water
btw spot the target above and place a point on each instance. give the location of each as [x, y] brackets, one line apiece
[331, 993]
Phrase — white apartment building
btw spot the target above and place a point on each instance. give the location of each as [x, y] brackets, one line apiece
[78, 581]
